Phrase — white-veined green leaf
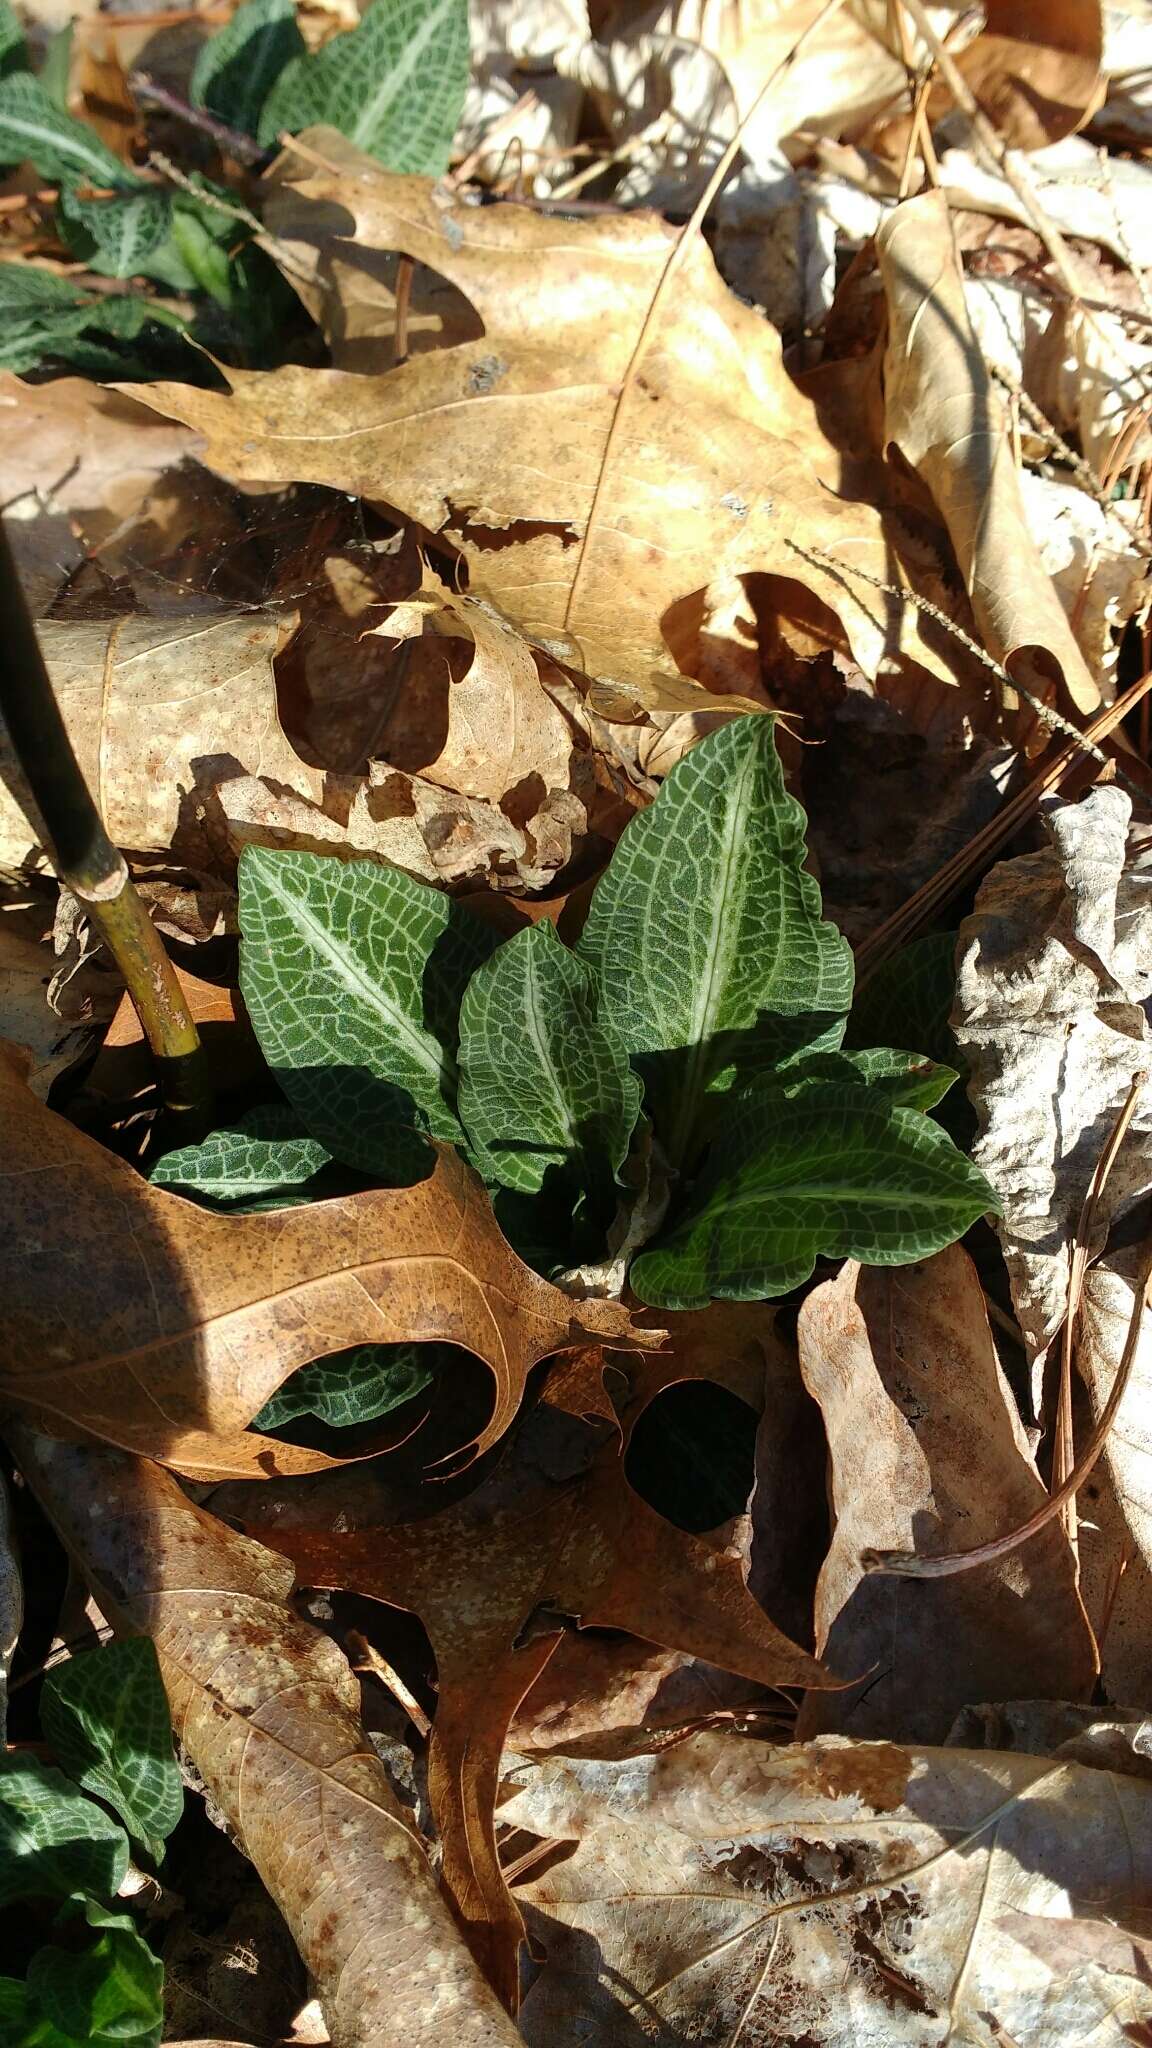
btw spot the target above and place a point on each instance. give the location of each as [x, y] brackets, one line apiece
[395, 85]
[106, 1715]
[115, 235]
[904, 1080]
[355, 1386]
[53, 1840]
[264, 1156]
[13, 48]
[706, 937]
[545, 1083]
[238, 66]
[34, 130]
[353, 975]
[829, 1172]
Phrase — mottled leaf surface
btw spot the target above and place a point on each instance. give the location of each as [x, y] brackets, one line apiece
[545, 1082]
[832, 1172]
[239, 64]
[54, 1840]
[353, 974]
[358, 1385]
[105, 1713]
[706, 937]
[395, 85]
[261, 1157]
[33, 130]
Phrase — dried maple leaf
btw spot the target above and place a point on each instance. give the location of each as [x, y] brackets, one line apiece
[134, 1317]
[850, 1895]
[594, 497]
[268, 1711]
[928, 1453]
[554, 1534]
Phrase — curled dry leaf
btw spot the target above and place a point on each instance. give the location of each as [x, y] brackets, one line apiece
[1116, 1504]
[555, 1535]
[927, 1453]
[176, 726]
[851, 1895]
[269, 1714]
[943, 413]
[1035, 68]
[593, 504]
[134, 1317]
[1054, 968]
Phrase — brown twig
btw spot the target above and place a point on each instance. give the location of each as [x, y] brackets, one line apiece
[231, 140]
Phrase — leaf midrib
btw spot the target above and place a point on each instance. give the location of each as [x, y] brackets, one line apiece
[708, 1001]
[395, 79]
[438, 1063]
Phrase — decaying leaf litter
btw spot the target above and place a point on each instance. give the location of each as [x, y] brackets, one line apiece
[529, 482]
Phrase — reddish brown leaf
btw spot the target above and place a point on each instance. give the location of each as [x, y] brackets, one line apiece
[134, 1317]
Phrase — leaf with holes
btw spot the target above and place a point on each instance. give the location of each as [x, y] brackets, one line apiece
[353, 976]
[395, 85]
[106, 1715]
[706, 937]
[833, 1172]
[545, 1084]
[239, 65]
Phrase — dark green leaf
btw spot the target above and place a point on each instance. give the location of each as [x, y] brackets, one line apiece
[545, 1084]
[833, 1173]
[263, 1157]
[54, 1841]
[706, 937]
[115, 236]
[353, 976]
[34, 130]
[909, 999]
[54, 71]
[238, 66]
[905, 1080]
[106, 1715]
[13, 48]
[355, 1386]
[109, 1992]
[395, 85]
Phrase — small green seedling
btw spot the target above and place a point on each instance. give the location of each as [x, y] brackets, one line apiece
[64, 1856]
[668, 1104]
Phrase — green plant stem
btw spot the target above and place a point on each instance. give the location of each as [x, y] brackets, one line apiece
[84, 856]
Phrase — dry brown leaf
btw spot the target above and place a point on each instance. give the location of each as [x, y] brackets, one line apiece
[1054, 968]
[167, 1331]
[1116, 1504]
[73, 446]
[943, 414]
[1035, 68]
[502, 443]
[555, 1534]
[269, 1713]
[176, 727]
[927, 1453]
[54, 1028]
[848, 1895]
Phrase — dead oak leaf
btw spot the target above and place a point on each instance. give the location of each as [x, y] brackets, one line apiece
[136, 1318]
[554, 1535]
[594, 499]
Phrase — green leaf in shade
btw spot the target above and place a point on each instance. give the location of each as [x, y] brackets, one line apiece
[264, 1156]
[909, 998]
[355, 1386]
[545, 1084]
[905, 1080]
[706, 937]
[115, 236]
[13, 48]
[112, 1991]
[53, 1840]
[825, 1172]
[106, 1716]
[395, 85]
[353, 975]
[238, 66]
[34, 130]
[54, 71]
[43, 315]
